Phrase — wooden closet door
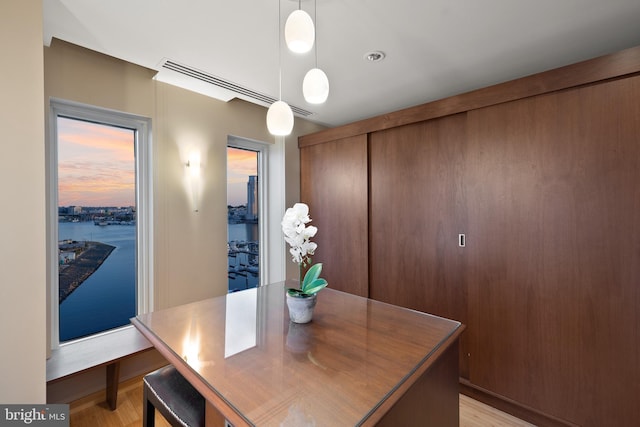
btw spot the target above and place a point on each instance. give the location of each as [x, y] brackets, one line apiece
[417, 211]
[333, 182]
[553, 192]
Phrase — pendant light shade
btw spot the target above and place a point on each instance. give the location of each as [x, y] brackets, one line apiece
[280, 119]
[315, 86]
[279, 114]
[299, 32]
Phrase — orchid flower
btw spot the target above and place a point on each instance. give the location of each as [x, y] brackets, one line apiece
[298, 235]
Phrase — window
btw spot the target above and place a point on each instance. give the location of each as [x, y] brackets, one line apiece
[246, 172]
[99, 222]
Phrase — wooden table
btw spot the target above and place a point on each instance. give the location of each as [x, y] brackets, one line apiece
[359, 362]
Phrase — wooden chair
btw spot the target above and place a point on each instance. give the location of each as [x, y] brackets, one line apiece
[178, 402]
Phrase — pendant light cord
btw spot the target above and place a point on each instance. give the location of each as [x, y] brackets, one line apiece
[315, 29]
[279, 54]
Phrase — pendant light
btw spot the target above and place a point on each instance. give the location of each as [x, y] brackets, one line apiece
[279, 115]
[280, 119]
[315, 86]
[298, 31]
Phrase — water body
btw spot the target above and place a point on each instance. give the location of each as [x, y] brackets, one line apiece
[243, 279]
[107, 299]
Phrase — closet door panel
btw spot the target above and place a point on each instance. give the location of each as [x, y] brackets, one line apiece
[417, 212]
[553, 191]
[333, 183]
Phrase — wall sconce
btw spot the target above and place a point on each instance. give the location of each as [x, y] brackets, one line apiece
[193, 166]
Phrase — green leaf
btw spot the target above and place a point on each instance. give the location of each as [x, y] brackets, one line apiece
[294, 292]
[312, 274]
[315, 286]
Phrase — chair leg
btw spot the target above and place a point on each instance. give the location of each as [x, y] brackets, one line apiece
[148, 411]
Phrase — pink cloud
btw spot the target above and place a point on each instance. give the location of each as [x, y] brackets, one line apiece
[96, 164]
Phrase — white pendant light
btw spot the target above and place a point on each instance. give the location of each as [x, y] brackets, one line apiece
[299, 32]
[280, 119]
[315, 86]
[279, 114]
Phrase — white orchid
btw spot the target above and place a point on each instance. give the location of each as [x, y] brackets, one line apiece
[298, 235]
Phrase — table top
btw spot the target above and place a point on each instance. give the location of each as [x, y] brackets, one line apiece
[346, 367]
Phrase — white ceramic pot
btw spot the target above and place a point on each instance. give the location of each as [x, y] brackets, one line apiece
[301, 309]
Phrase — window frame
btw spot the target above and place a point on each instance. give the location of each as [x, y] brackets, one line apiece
[262, 148]
[144, 202]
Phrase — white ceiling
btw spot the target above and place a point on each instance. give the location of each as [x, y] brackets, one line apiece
[434, 48]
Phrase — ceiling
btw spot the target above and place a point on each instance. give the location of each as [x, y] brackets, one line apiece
[433, 48]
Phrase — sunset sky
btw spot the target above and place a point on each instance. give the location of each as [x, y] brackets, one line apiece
[96, 164]
[241, 164]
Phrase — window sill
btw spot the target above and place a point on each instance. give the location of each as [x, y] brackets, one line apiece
[106, 349]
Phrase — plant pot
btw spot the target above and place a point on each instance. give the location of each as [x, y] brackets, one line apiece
[301, 308]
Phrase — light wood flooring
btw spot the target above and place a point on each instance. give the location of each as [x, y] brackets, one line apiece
[93, 411]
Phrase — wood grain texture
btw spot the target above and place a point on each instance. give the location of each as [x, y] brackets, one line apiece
[547, 176]
[333, 182]
[610, 66]
[350, 365]
[417, 211]
[432, 401]
[477, 414]
[511, 407]
[552, 182]
[92, 411]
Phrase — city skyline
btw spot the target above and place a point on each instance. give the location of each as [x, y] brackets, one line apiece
[96, 164]
[240, 165]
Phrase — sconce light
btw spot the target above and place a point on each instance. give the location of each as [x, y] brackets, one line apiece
[193, 165]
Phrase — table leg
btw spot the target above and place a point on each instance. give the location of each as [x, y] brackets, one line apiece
[113, 378]
[213, 417]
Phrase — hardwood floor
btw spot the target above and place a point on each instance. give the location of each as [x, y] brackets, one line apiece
[477, 414]
[93, 411]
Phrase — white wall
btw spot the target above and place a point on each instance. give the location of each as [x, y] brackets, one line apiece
[22, 216]
[22, 189]
[190, 254]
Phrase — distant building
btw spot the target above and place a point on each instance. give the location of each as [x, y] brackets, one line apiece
[252, 199]
[69, 210]
[67, 257]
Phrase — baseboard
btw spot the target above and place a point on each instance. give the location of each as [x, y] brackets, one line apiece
[509, 406]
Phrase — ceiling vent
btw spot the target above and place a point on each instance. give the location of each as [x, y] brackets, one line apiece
[222, 89]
